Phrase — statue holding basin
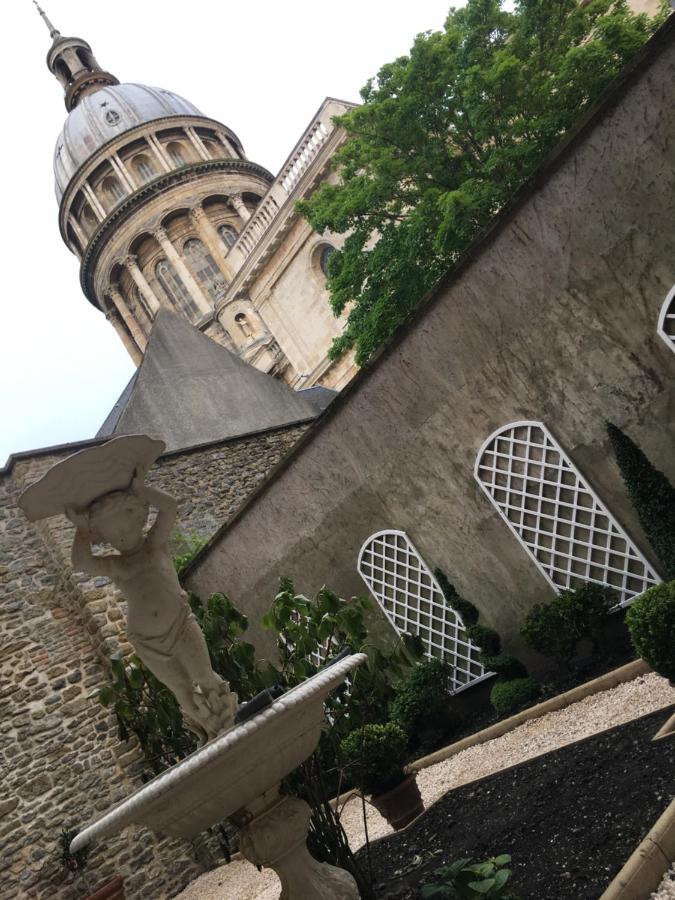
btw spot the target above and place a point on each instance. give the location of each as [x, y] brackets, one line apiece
[237, 770]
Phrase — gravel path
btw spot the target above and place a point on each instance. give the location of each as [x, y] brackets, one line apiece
[666, 889]
[241, 881]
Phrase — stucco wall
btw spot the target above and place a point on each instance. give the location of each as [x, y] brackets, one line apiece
[60, 754]
[552, 317]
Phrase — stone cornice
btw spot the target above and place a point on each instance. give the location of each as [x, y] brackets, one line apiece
[128, 207]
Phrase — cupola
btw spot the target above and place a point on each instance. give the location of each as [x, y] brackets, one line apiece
[71, 61]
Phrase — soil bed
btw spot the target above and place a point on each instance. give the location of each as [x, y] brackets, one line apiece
[569, 819]
[553, 682]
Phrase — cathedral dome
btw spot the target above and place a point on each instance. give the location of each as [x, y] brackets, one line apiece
[103, 115]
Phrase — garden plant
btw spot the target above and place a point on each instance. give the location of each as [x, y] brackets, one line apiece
[652, 494]
[556, 628]
[651, 623]
[446, 135]
[466, 879]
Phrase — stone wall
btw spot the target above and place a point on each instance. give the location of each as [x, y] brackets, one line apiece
[60, 754]
[551, 317]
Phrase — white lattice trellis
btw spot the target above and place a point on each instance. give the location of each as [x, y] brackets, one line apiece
[555, 515]
[410, 597]
[666, 326]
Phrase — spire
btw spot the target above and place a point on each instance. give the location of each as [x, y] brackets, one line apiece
[70, 59]
[53, 32]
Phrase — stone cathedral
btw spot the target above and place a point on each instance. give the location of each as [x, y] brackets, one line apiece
[164, 211]
[559, 318]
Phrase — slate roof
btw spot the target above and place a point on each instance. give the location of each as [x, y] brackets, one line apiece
[189, 390]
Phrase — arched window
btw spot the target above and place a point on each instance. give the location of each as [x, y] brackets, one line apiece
[144, 167]
[62, 71]
[177, 153]
[666, 326]
[113, 188]
[326, 252]
[88, 220]
[215, 150]
[137, 301]
[228, 234]
[174, 288]
[412, 600]
[85, 57]
[556, 516]
[204, 266]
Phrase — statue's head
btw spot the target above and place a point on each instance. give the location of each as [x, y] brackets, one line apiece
[118, 519]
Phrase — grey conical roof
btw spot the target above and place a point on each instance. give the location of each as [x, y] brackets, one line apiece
[189, 390]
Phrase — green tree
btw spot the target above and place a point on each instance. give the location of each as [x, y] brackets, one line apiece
[446, 135]
[652, 494]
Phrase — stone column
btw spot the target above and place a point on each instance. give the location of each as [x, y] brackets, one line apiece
[227, 145]
[197, 143]
[139, 279]
[160, 153]
[123, 172]
[129, 318]
[182, 270]
[75, 225]
[94, 202]
[131, 348]
[209, 235]
[238, 203]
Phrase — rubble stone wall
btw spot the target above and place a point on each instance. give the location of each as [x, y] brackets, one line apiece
[60, 754]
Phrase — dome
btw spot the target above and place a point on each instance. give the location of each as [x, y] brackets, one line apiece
[103, 115]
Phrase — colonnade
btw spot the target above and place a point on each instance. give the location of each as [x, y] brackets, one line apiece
[134, 324]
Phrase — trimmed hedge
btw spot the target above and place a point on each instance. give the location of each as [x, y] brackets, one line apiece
[375, 756]
[651, 623]
[421, 703]
[504, 665]
[509, 696]
[652, 494]
[555, 628]
[464, 608]
[485, 638]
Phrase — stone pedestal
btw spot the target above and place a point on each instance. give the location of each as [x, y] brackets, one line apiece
[277, 839]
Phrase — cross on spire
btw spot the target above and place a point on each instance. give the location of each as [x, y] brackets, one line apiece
[53, 32]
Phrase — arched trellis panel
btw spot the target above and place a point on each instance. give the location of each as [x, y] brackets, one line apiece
[555, 514]
[412, 601]
[666, 326]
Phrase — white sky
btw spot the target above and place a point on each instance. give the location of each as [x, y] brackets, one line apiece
[261, 67]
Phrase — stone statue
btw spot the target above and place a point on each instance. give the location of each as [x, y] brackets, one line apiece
[90, 488]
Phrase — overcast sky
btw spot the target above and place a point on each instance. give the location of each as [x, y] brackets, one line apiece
[261, 67]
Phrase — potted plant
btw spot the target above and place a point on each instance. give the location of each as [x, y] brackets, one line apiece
[375, 757]
[75, 863]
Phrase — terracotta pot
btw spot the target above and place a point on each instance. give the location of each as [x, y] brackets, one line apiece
[401, 804]
[113, 890]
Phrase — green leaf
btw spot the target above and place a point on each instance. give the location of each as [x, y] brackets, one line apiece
[482, 887]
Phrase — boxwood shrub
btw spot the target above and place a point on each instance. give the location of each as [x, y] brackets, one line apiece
[509, 696]
[421, 703]
[651, 623]
[555, 628]
[486, 638]
[504, 665]
[374, 756]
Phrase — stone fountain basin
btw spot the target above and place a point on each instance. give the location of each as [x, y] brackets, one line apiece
[237, 772]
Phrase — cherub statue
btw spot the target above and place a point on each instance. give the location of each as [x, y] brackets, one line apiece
[160, 625]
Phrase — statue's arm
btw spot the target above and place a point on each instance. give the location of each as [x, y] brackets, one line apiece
[82, 558]
[166, 506]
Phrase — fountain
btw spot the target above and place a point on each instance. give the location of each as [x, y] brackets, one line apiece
[237, 771]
